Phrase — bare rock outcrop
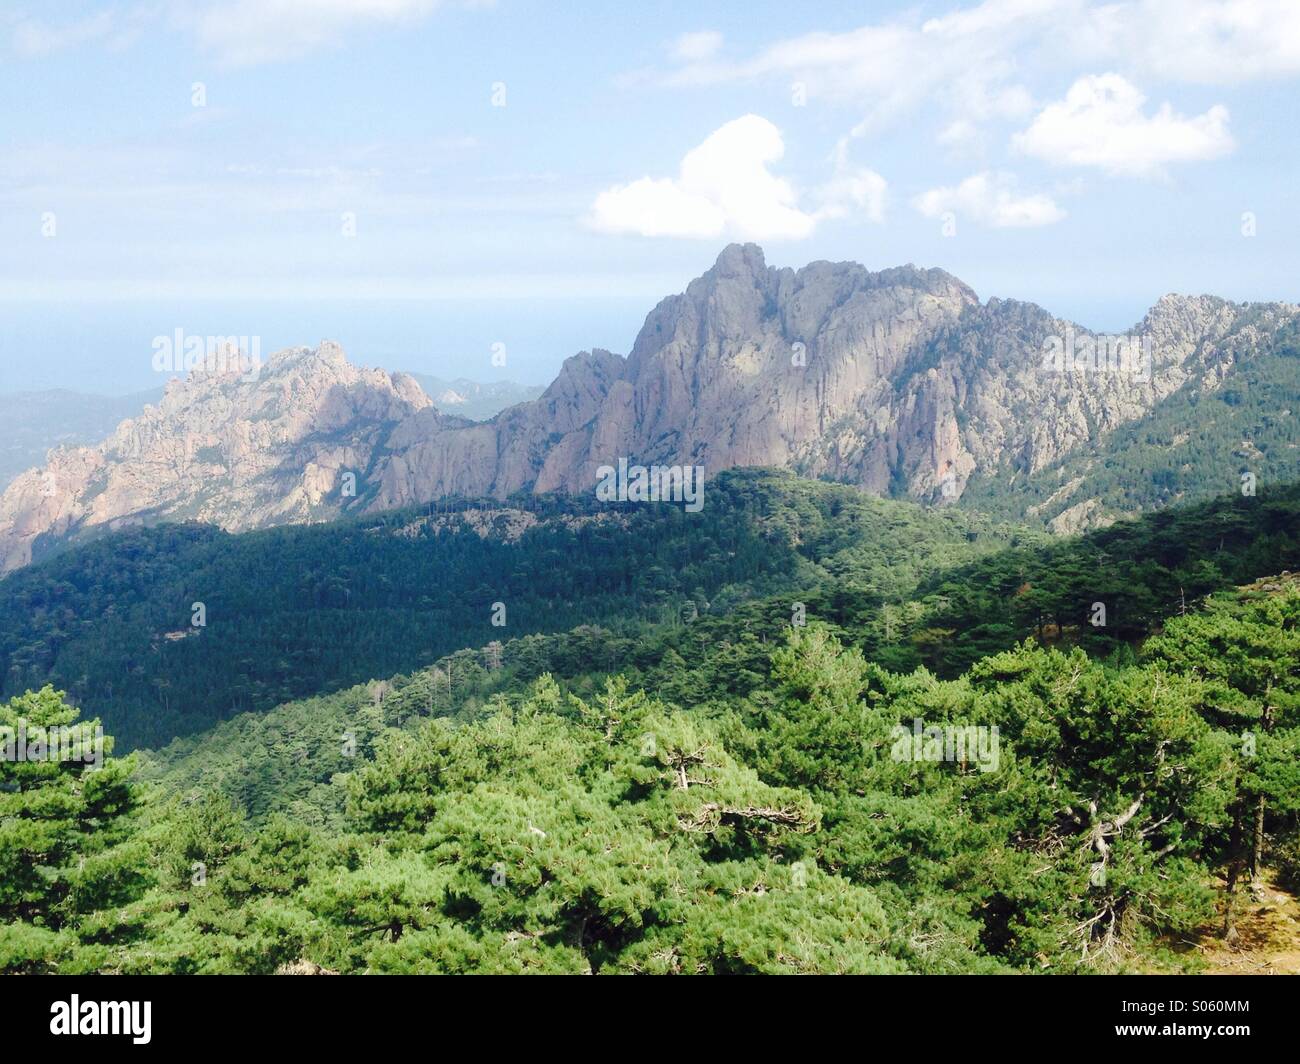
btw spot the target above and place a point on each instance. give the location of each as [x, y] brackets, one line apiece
[900, 381]
[221, 447]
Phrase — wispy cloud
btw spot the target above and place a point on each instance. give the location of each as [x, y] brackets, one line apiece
[990, 199]
[248, 32]
[697, 46]
[888, 68]
[139, 181]
[235, 33]
[982, 63]
[37, 37]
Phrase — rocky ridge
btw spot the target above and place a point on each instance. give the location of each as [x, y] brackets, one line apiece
[901, 381]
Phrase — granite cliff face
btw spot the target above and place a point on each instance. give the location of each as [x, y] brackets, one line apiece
[901, 381]
[750, 366]
[220, 448]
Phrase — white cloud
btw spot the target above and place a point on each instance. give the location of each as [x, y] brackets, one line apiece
[247, 32]
[236, 32]
[1100, 123]
[984, 62]
[660, 207]
[1203, 42]
[961, 136]
[964, 61]
[990, 199]
[724, 187]
[694, 47]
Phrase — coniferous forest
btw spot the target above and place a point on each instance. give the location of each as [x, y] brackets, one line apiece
[736, 756]
[497, 487]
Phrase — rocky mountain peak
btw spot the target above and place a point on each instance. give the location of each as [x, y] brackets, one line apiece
[900, 381]
[737, 262]
[240, 449]
[586, 372]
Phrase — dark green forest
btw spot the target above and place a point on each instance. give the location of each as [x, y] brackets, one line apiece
[298, 611]
[780, 832]
[1146, 571]
[301, 611]
[884, 740]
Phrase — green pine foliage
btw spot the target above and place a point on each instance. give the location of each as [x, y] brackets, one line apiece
[1160, 566]
[790, 829]
[68, 845]
[301, 611]
[705, 786]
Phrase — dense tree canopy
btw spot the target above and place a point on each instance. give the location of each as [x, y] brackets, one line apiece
[300, 611]
[801, 826]
[815, 732]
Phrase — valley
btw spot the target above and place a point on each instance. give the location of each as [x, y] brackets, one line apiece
[824, 632]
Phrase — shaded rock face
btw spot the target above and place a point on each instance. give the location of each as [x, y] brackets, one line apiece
[750, 366]
[900, 381]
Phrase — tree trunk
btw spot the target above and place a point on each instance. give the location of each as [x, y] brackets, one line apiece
[1233, 874]
[1257, 842]
[1257, 852]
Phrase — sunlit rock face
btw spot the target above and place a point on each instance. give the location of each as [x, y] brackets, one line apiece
[900, 381]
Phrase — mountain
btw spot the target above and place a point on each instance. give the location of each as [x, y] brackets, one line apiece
[901, 382]
[475, 400]
[897, 381]
[1235, 413]
[37, 422]
[222, 448]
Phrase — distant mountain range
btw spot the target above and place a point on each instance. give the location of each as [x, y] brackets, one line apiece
[901, 381]
[475, 400]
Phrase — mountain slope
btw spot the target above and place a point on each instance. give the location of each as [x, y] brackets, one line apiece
[290, 612]
[901, 608]
[714, 379]
[900, 382]
[221, 448]
[1235, 412]
[37, 422]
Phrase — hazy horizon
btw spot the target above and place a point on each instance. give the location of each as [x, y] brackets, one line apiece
[423, 180]
[104, 346]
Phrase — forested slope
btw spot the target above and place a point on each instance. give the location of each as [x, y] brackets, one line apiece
[303, 610]
[889, 741]
[819, 824]
[1143, 572]
[1194, 444]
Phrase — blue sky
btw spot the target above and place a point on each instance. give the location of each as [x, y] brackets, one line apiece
[1089, 157]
